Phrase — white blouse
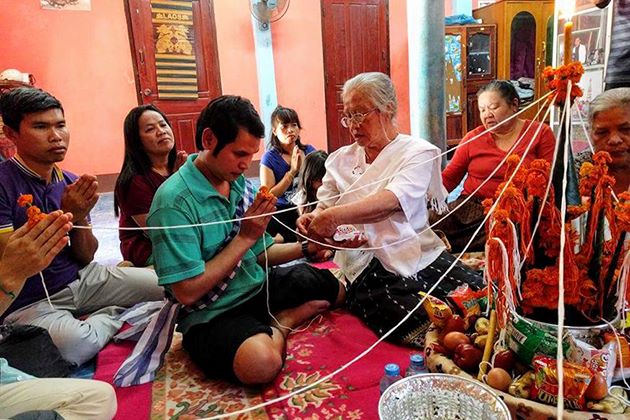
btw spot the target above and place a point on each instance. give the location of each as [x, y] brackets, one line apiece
[409, 168]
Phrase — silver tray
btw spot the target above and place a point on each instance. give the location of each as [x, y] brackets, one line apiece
[441, 396]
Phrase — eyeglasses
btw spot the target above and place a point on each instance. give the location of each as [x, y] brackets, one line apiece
[356, 118]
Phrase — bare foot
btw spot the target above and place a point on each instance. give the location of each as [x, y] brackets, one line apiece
[294, 317]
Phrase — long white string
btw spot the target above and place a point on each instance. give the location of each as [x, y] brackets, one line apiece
[41, 276]
[378, 181]
[545, 97]
[563, 212]
[547, 190]
[405, 318]
[437, 222]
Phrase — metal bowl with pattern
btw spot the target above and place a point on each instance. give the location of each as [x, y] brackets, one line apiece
[441, 396]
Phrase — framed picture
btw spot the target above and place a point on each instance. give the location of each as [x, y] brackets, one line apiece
[66, 4]
[587, 39]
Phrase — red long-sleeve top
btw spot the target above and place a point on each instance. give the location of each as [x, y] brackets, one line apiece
[480, 156]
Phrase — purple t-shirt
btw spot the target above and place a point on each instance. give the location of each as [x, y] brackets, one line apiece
[272, 159]
[17, 179]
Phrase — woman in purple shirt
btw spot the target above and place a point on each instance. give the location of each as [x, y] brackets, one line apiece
[150, 158]
[281, 164]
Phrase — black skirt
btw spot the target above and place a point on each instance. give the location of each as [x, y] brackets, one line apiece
[382, 298]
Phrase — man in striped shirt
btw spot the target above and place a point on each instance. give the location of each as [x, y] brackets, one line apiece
[618, 70]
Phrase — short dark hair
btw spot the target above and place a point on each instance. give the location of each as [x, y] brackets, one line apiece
[225, 115]
[505, 88]
[16, 103]
[284, 115]
[137, 161]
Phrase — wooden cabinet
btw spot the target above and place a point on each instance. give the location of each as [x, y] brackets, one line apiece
[524, 41]
[470, 62]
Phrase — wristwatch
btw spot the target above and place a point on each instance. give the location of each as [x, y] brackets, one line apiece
[305, 252]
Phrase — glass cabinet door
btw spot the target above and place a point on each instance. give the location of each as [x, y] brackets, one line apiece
[453, 72]
[523, 46]
[479, 63]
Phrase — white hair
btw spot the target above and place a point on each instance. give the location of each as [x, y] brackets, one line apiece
[377, 87]
[614, 98]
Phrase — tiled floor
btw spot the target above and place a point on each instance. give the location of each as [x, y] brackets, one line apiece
[105, 225]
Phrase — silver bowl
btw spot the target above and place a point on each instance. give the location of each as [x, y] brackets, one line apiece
[441, 396]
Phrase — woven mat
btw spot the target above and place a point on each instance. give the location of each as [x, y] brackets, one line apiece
[181, 392]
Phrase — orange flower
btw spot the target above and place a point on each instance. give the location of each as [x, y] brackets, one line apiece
[265, 193]
[549, 73]
[622, 211]
[32, 221]
[557, 80]
[25, 200]
[32, 211]
[602, 158]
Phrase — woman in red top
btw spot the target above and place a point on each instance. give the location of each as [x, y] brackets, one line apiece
[498, 101]
[150, 158]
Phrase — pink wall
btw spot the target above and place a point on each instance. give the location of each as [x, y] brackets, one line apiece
[83, 59]
[235, 44]
[299, 66]
[399, 60]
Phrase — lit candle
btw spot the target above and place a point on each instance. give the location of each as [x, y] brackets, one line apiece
[568, 27]
[565, 11]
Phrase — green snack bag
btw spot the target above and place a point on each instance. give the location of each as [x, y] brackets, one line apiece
[528, 340]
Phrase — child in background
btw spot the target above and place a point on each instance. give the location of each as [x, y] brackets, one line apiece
[313, 171]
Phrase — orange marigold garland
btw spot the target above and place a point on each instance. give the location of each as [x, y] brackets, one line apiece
[558, 79]
[33, 212]
[591, 275]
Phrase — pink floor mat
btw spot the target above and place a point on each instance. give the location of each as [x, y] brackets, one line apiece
[181, 391]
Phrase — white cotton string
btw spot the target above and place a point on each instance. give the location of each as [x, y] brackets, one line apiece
[586, 134]
[547, 190]
[563, 212]
[279, 324]
[388, 333]
[410, 167]
[622, 400]
[41, 275]
[464, 201]
[509, 300]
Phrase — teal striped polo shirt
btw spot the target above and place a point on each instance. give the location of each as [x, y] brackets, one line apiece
[188, 198]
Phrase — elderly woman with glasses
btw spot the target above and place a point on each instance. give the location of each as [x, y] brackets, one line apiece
[381, 186]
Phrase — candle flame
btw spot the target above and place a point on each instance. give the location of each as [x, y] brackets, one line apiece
[566, 8]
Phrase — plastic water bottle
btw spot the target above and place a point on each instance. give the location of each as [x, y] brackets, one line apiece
[392, 374]
[416, 365]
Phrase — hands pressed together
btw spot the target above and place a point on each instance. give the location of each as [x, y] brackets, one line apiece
[80, 197]
[297, 158]
[30, 250]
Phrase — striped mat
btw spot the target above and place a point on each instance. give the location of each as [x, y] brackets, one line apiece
[175, 61]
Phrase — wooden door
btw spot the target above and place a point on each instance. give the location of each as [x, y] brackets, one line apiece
[356, 40]
[545, 48]
[181, 87]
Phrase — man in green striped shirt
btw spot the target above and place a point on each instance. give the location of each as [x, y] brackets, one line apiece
[236, 336]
